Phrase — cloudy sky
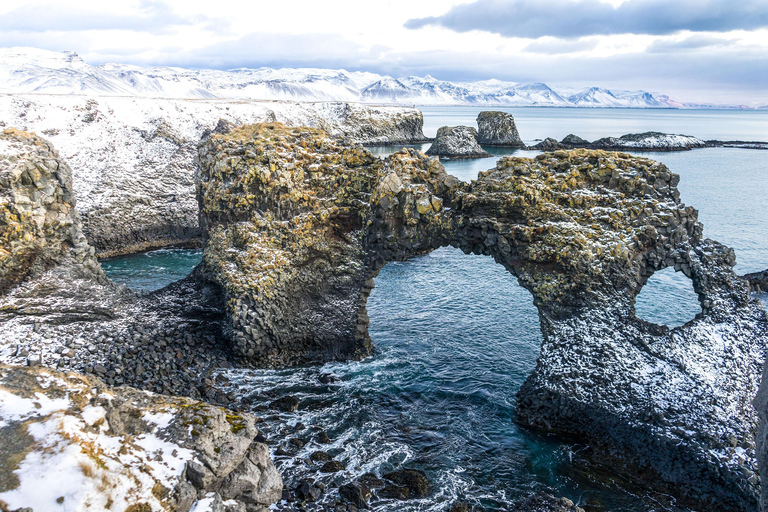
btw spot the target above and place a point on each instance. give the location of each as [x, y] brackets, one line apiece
[693, 50]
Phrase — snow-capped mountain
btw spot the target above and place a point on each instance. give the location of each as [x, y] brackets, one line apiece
[31, 70]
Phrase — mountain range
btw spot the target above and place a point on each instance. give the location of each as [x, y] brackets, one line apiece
[32, 70]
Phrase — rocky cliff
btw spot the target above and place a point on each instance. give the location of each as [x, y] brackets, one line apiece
[498, 129]
[39, 227]
[456, 142]
[70, 441]
[134, 158]
[297, 224]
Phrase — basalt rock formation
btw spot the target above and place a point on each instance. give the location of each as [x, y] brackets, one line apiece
[456, 142]
[297, 224]
[574, 141]
[39, 227]
[549, 144]
[134, 158]
[123, 449]
[758, 281]
[648, 141]
[498, 129]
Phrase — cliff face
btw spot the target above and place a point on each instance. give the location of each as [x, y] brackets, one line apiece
[134, 158]
[297, 224]
[121, 449]
[39, 227]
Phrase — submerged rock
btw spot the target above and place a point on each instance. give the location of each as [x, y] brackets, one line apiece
[120, 448]
[457, 142]
[297, 224]
[498, 129]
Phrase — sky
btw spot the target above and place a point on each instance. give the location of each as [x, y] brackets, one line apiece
[713, 51]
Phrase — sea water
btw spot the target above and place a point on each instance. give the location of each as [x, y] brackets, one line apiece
[456, 336]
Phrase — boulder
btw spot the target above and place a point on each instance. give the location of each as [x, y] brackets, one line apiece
[549, 144]
[457, 142]
[574, 141]
[297, 224]
[415, 480]
[121, 448]
[545, 502]
[498, 129]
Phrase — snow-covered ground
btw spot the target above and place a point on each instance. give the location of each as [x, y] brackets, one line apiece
[31, 70]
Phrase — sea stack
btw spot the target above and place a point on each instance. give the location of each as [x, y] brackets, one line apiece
[457, 142]
[498, 129]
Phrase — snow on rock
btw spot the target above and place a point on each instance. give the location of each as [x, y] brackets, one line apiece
[649, 141]
[457, 142]
[70, 446]
[133, 159]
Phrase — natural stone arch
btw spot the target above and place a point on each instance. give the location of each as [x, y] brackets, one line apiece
[296, 225]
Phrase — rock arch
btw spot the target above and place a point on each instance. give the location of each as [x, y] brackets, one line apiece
[296, 225]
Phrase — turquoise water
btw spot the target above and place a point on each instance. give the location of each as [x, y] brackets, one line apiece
[152, 270]
[456, 336]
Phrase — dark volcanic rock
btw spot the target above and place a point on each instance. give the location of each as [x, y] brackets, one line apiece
[357, 493]
[415, 480]
[285, 404]
[297, 225]
[396, 492]
[760, 404]
[320, 456]
[544, 502]
[498, 129]
[758, 281]
[574, 141]
[332, 466]
[549, 144]
[457, 142]
[648, 141]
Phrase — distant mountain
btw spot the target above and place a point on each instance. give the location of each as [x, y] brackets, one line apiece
[31, 70]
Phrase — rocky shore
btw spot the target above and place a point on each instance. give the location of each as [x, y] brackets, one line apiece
[295, 225]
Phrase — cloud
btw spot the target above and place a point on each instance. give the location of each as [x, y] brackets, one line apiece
[560, 46]
[695, 42]
[274, 50]
[578, 18]
[153, 16]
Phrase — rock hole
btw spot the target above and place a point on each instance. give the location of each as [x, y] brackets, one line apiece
[667, 299]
